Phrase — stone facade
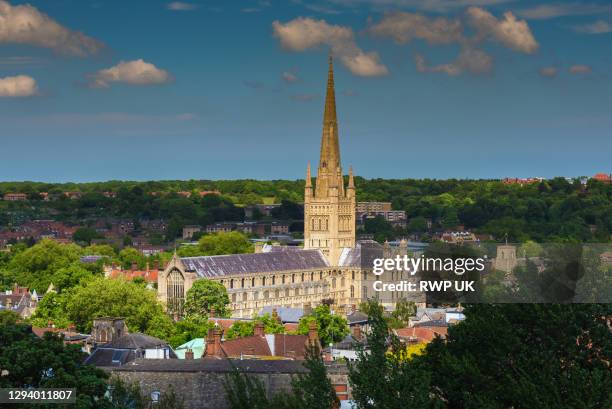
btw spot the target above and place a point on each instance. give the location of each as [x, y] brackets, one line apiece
[200, 382]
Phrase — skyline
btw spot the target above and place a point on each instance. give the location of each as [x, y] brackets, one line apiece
[208, 90]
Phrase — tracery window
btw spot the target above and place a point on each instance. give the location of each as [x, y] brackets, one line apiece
[175, 292]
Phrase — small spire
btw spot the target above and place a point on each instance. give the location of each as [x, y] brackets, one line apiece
[308, 177]
[351, 181]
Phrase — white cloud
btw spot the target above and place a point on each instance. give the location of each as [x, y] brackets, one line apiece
[181, 6]
[548, 11]
[425, 5]
[469, 60]
[136, 72]
[303, 33]
[580, 69]
[403, 27]
[597, 27]
[290, 77]
[24, 24]
[514, 34]
[18, 86]
[549, 72]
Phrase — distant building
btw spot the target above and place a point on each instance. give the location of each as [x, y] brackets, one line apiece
[279, 228]
[372, 207]
[189, 231]
[220, 227]
[19, 300]
[601, 177]
[457, 237]
[203, 193]
[521, 181]
[15, 197]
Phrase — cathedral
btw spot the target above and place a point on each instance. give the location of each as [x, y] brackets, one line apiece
[331, 267]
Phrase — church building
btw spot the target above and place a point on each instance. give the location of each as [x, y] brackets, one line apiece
[328, 269]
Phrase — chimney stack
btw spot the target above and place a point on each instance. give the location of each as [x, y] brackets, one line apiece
[275, 315]
[259, 329]
[189, 354]
[357, 332]
[213, 342]
[313, 333]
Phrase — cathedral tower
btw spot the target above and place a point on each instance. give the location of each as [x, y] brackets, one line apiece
[329, 207]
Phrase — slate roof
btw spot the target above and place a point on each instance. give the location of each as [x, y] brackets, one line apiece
[214, 365]
[134, 341]
[286, 314]
[125, 349]
[234, 264]
[357, 317]
[363, 254]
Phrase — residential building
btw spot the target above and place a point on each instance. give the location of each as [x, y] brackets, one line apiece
[15, 197]
[373, 207]
[189, 231]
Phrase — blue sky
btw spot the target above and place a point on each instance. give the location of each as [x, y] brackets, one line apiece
[205, 89]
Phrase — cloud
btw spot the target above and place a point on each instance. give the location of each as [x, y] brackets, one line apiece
[469, 60]
[20, 60]
[439, 6]
[136, 72]
[18, 86]
[403, 27]
[303, 33]
[597, 27]
[181, 6]
[548, 11]
[290, 77]
[24, 24]
[549, 72]
[580, 69]
[514, 34]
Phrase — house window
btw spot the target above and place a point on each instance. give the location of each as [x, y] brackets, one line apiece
[175, 294]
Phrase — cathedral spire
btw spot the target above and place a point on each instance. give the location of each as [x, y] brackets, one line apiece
[330, 147]
[308, 176]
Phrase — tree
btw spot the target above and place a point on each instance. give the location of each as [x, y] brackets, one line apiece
[552, 355]
[203, 296]
[382, 377]
[85, 235]
[314, 390]
[241, 329]
[29, 361]
[331, 327]
[100, 297]
[400, 317]
[225, 243]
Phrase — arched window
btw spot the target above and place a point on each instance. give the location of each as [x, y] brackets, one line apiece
[232, 283]
[263, 280]
[311, 276]
[283, 279]
[297, 291]
[302, 277]
[293, 278]
[266, 294]
[175, 292]
[253, 282]
[242, 283]
[352, 292]
[352, 275]
[313, 224]
[342, 282]
[234, 297]
[244, 296]
[277, 294]
[320, 275]
[334, 282]
[273, 280]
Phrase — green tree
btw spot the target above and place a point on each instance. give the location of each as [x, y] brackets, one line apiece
[29, 361]
[225, 243]
[86, 235]
[314, 390]
[241, 329]
[331, 327]
[203, 296]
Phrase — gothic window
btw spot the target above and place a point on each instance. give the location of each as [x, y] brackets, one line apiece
[352, 275]
[244, 296]
[253, 282]
[234, 297]
[365, 275]
[287, 292]
[297, 291]
[313, 224]
[293, 278]
[302, 277]
[263, 280]
[283, 279]
[175, 293]
[311, 276]
[352, 292]
[365, 292]
[342, 282]
[242, 283]
[276, 294]
[334, 282]
[266, 294]
[255, 295]
[273, 280]
[320, 275]
[232, 283]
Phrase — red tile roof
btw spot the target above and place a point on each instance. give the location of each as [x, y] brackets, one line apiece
[421, 334]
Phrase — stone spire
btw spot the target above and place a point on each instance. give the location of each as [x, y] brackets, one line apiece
[330, 148]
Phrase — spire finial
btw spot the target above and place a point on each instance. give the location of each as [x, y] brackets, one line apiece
[308, 177]
[351, 181]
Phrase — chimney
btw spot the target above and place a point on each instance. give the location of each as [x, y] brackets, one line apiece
[134, 266]
[357, 332]
[259, 329]
[217, 340]
[313, 333]
[275, 315]
[189, 354]
[213, 342]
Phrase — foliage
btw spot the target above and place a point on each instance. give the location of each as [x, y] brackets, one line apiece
[331, 327]
[125, 395]
[86, 235]
[218, 243]
[400, 317]
[101, 297]
[314, 390]
[382, 377]
[205, 295]
[29, 361]
[241, 329]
